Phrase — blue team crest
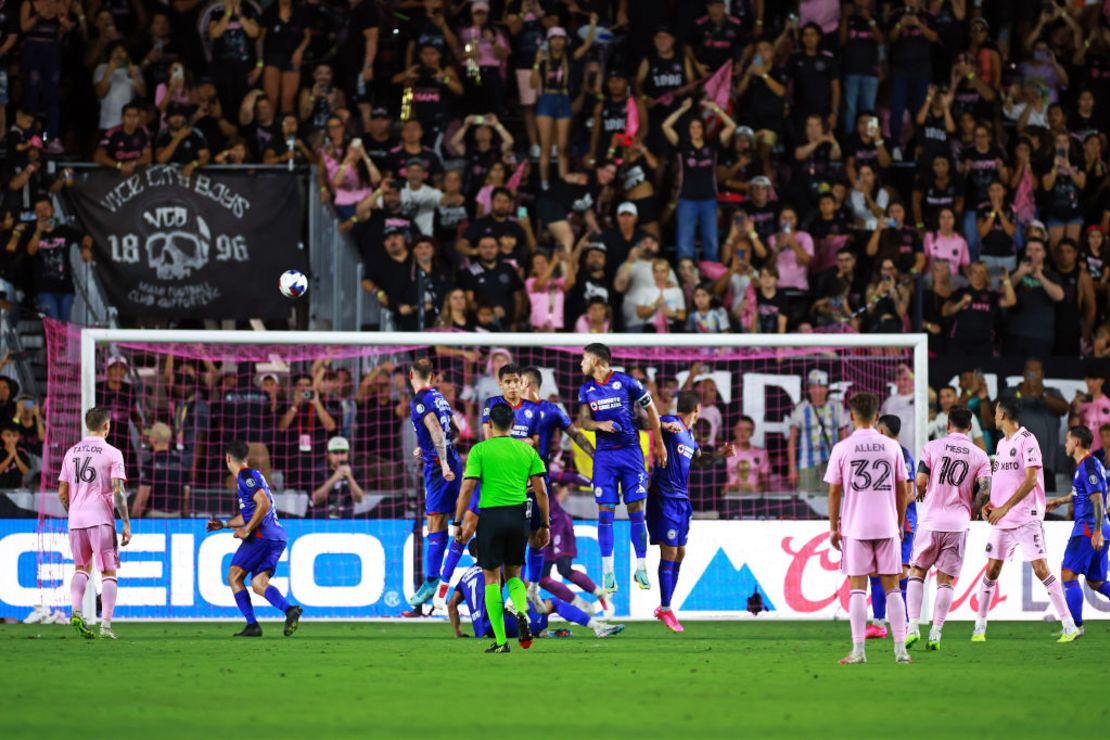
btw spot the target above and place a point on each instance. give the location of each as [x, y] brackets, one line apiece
[527, 413]
[1093, 480]
[420, 408]
[597, 491]
[617, 385]
[251, 482]
[672, 533]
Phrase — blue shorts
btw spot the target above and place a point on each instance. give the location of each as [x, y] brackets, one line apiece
[907, 548]
[553, 105]
[258, 555]
[1061, 223]
[1082, 559]
[619, 473]
[440, 495]
[668, 520]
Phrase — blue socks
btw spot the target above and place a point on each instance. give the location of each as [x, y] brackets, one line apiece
[571, 613]
[638, 531]
[454, 552]
[434, 545]
[878, 599]
[902, 584]
[535, 564]
[274, 597]
[1104, 589]
[668, 575]
[1073, 594]
[605, 532]
[243, 601]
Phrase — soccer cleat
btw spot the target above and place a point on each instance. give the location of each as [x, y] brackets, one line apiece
[912, 638]
[933, 645]
[1069, 635]
[667, 617]
[853, 658]
[251, 630]
[604, 630]
[610, 582]
[535, 600]
[423, 594]
[524, 631]
[106, 632]
[292, 619]
[642, 579]
[495, 648]
[439, 601]
[561, 633]
[875, 631]
[82, 627]
[901, 656]
[979, 635]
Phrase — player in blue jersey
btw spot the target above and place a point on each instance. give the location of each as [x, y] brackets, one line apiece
[889, 426]
[668, 502]
[263, 542]
[563, 547]
[1086, 554]
[472, 590]
[606, 406]
[433, 420]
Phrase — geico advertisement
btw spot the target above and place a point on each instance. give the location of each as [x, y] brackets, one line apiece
[173, 569]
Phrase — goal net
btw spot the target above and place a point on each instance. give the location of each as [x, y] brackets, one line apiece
[309, 403]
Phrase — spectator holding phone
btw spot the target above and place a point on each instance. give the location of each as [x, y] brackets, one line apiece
[15, 463]
[306, 424]
[338, 491]
[29, 418]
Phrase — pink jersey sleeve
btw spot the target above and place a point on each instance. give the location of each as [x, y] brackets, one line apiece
[119, 470]
[66, 473]
[833, 473]
[983, 470]
[1030, 452]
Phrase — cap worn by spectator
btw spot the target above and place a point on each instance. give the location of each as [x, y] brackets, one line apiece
[179, 109]
[818, 377]
[117, 360]
[263, 377]
[745, 131]
[379, 111]
[627, 207]
[393, 228]
[480, 5]
[761, 181]
[339, 444]
[556, 31]
[980, 21]
[665, 28]
[596, 246]
[160, 431]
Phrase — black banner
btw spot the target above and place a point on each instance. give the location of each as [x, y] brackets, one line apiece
[208, 246]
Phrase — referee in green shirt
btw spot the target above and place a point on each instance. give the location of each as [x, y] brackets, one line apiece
[504, 466]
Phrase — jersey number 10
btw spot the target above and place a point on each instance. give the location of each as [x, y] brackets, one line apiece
[953, 472]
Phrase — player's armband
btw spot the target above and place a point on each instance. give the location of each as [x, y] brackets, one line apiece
[922, 467]
[645, 400]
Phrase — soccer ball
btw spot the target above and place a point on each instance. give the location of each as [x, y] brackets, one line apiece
[293, 284]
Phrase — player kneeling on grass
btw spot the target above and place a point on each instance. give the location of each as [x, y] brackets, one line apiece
[264, 541]
[503, 466]
[950, 468]
[471, 589]
[668, 503]
[1087, 549]
[868, 472]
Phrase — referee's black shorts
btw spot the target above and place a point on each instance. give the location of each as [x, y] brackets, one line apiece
[502, 536]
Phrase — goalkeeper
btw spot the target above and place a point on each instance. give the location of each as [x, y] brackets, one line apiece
[503, 467]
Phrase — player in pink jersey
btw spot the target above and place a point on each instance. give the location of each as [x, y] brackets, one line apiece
[1016, 514]
[92, 476]
[947, 475]
[1092, 407]
[867, 471]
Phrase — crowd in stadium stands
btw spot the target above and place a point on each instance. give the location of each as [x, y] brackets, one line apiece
[593, 166]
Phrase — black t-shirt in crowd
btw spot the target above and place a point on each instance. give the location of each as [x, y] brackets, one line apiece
[900, 245]
[974, 326]
[188, 149]
[935, 198]
[812, 78]
[50, 268]
[996, 243]
[494, 284]
[982, 170]
[768, 310]
[765, 218]
[167, 475]
[912, 52]
[507, 231]
[399, 158]
[698, 166]
[860, 53]
[122, 146]
[10, 477]
[714, 45]
[260, 137]
[234, 47]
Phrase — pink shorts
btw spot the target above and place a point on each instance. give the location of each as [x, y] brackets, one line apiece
[1030, 537]
[98, 542]
[945, 550]
[528, 94]
[865, 557]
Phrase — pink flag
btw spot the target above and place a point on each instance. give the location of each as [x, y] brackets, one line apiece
[515, 179]
[632, 118]
[718, 86]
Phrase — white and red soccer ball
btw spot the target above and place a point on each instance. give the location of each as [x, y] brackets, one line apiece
[293, 284]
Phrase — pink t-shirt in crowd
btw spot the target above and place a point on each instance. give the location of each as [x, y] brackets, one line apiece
[867, 465]
[547, 305]
[89, 467]
[954, 464]
[793, 274]
[952, 248]
[1094, 414]
[582, 326]
[1012, 456]
[748, 467]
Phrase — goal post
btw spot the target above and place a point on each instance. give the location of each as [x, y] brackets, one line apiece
[752, 375]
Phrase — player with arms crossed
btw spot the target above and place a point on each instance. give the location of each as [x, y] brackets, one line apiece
[668, 502]
[504, 467]
[867, 471]
[950, 469]
[1016, 515]
[263, 542]
[92, 477]
[563, 547]
[1087, 549]
[606, 402]
[433, 419]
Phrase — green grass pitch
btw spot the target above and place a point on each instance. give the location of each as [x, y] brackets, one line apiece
[719, 679]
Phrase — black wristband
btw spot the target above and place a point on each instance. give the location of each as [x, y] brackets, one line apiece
[456, 523]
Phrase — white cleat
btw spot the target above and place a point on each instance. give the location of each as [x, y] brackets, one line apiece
[439, 601]
[901, 656]
[603, 629]
[853, 658]
[106, 632]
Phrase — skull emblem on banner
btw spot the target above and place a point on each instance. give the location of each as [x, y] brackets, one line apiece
[174, 255]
